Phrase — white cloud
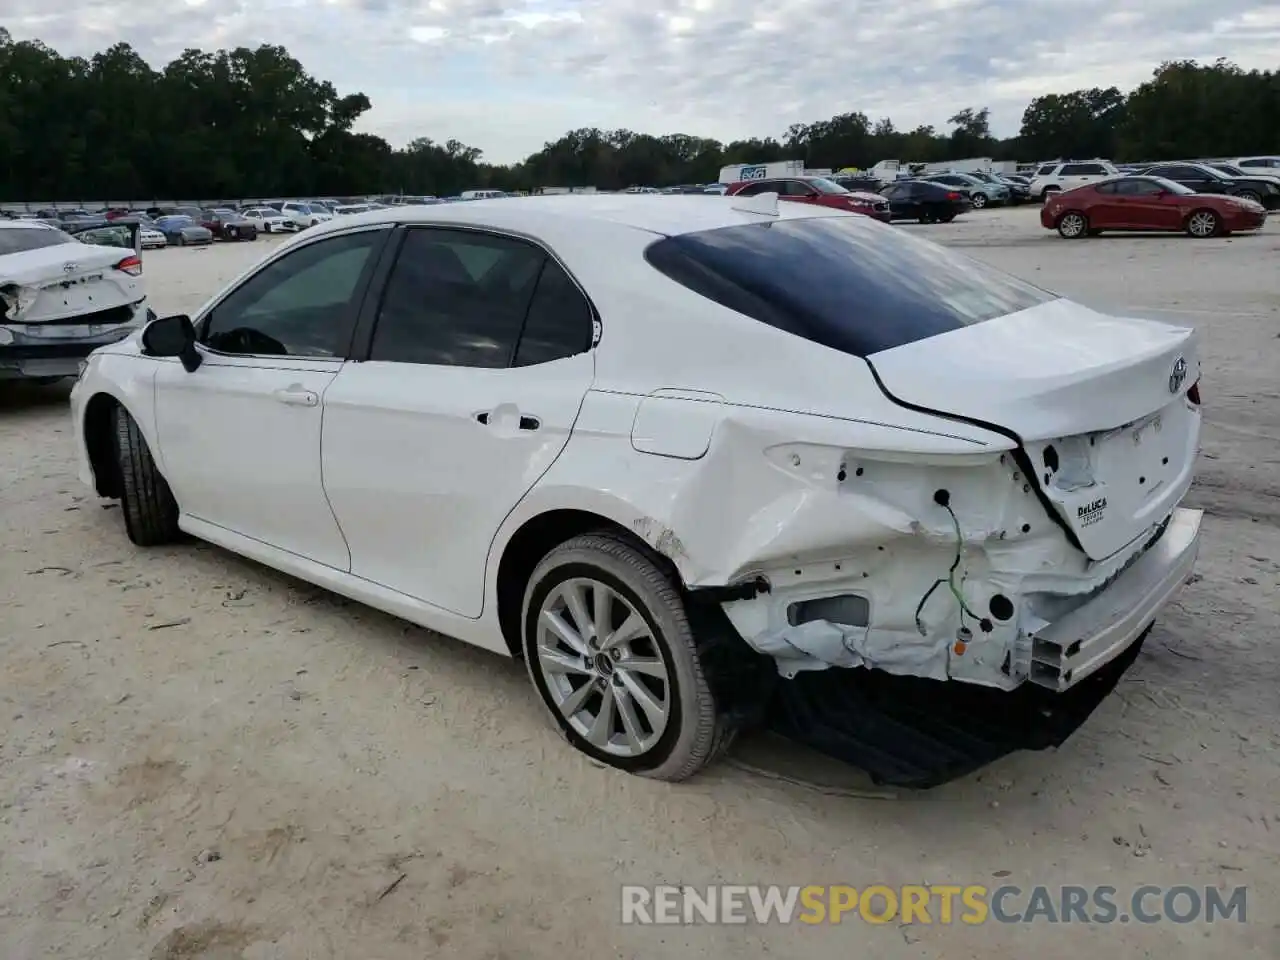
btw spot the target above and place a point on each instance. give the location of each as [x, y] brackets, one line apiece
[507, 75]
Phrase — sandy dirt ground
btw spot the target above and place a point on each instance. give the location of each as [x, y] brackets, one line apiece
[204, 759]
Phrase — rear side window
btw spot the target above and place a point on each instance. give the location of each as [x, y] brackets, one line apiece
[559, 322]
[847, 283]
[1083, 170]
[456, 298]
[1046, 170]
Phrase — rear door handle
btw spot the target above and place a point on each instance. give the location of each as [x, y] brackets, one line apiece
[297, 396]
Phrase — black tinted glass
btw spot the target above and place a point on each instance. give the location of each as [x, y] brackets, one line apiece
[559, 320]
[456, 298]
[848, 283]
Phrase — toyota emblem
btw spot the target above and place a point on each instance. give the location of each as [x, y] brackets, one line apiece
[1178, 376]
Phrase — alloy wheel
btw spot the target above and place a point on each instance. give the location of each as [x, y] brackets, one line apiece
[1071, 225]
[979, 200]
[1203, 224]
[602, 667]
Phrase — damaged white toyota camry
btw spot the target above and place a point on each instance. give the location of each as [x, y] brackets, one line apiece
[698, 461]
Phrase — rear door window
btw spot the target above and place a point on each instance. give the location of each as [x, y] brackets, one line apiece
[843, 282]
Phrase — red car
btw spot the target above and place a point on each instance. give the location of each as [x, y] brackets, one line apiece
[227, 224]
[819, 190]
[1148, 203]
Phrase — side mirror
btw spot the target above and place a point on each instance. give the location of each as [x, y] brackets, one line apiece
[172, 337]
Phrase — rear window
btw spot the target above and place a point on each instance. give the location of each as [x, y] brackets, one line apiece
[847, 283]
[21, 239]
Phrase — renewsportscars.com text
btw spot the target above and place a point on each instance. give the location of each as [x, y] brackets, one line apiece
[970, 904]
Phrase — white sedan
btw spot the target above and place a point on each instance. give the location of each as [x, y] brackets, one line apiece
[674, 453]
[269, 220]
[60, 299]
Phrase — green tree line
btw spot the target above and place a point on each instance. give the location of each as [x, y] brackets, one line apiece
[255, 123]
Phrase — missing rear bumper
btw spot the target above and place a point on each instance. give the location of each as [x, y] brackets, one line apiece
[1078, 644]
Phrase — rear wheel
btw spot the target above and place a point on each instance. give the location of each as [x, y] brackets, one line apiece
[1203, 224]
[1073, 225]
[150, 511]
[979, 200]
[609, 648]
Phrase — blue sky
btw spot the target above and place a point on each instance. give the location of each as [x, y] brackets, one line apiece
[508, 75]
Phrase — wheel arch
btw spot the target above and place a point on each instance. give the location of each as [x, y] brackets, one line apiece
[537, 536]
[99, 442]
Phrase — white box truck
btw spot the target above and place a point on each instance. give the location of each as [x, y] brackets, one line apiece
[761, 171]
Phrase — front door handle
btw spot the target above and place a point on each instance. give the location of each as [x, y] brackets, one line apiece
[530, 423]
[297, 396]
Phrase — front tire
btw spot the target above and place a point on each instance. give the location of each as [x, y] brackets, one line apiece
[610, 650]
[1073, 225]
[979, 200]
[150, 511]
[1250, 195]
[1203, 224]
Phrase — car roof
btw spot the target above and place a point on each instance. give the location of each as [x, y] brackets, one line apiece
[24, 224]
[666, 215]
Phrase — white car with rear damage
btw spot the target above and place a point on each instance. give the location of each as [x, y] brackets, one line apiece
[699, 462]
[61, 299]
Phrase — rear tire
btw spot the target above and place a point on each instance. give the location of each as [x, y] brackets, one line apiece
[150, 511]
[978, 199]
[1204, 223]
[663, 721]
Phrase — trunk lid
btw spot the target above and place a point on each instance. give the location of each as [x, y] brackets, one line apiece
[64, 282]
[1099, 404]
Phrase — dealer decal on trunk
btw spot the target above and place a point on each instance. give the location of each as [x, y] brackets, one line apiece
[1091, 513]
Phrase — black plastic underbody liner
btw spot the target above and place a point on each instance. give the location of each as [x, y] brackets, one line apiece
[913, 732]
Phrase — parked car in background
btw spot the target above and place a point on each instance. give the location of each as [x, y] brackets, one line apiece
[61, 298]
[348, 209]
[1145, 203]
[1231, 170]
[151, 236]
[113, 234]
[269, 220]
[925, 200]
[180, 230]
[981, 193]
[1203, 178]
[227, 224]
[304, 215]
[1258, 164]
[1055, 177]
[838, 490]
[815, 190]
[1019, 187]
[858, 183]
